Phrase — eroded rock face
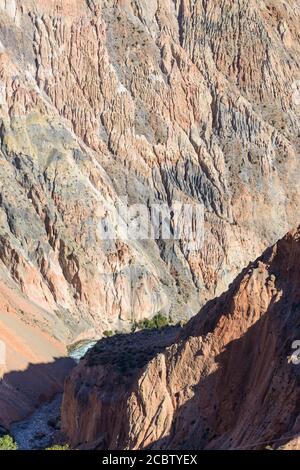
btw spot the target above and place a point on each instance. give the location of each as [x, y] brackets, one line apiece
[33, 363]
[159, 101]
[228, 381]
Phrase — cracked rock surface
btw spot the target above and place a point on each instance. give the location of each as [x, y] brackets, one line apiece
[160, 101]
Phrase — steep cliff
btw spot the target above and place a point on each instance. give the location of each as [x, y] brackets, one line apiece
[227, 381]
[157, 101]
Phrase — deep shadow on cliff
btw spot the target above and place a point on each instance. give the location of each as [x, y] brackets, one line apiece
[250, 402]
[23, 391]
[228, 381]
[127, 353]
[252, 399]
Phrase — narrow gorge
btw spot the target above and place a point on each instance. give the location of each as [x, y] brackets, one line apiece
[186, 113]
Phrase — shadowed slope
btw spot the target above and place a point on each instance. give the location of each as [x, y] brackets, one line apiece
[23, 391]
[227, 381]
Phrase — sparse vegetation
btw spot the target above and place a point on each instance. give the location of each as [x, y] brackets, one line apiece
[7, 443]
[155, 323]
[108, 334]
[59, 447]
[127, 353]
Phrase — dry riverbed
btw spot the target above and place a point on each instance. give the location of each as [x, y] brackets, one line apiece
[40, 430]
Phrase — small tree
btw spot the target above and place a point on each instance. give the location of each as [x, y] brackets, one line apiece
[7, 443]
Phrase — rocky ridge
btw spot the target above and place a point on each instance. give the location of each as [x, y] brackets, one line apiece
[227, 380]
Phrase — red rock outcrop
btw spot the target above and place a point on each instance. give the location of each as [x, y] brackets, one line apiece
[226, 382]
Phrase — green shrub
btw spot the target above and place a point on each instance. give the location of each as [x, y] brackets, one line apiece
[108, 334]
[7, 443]
[157, 322]
[59, 447]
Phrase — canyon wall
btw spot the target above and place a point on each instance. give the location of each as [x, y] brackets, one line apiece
[158, 101]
